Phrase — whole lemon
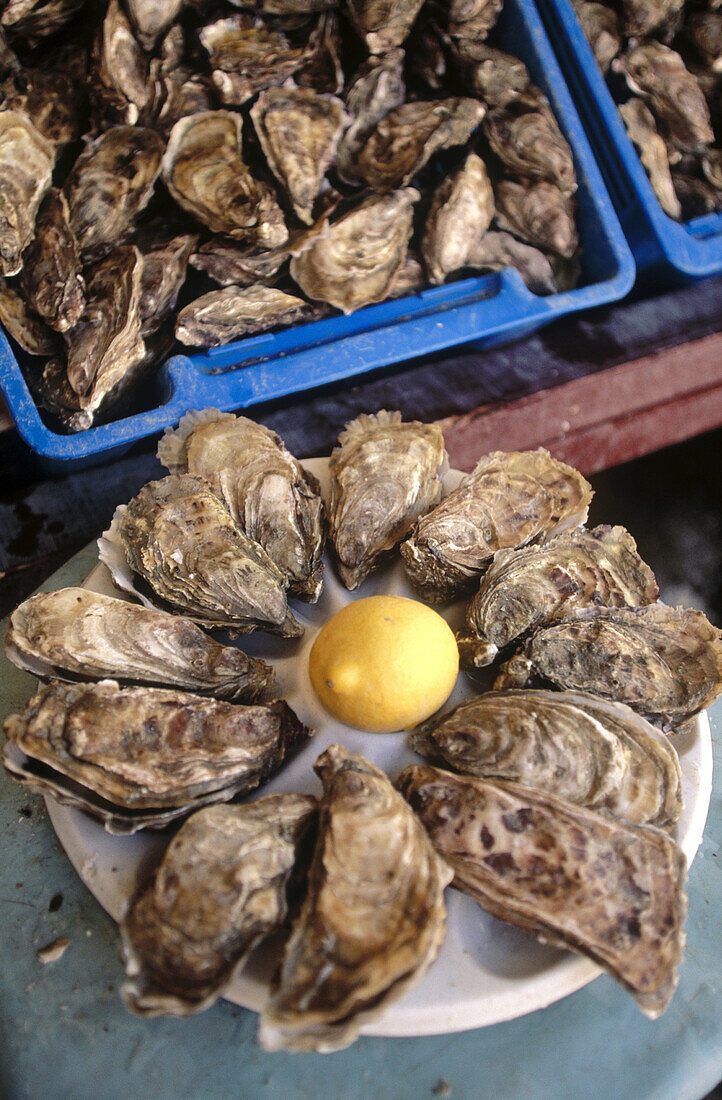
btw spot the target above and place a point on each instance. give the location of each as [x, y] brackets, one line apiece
[384, 663]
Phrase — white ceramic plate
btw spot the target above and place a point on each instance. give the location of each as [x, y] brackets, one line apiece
[486, 971]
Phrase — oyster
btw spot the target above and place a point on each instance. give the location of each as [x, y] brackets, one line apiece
[204, 171]
[223, 315]
[473, 19]
[26, 167]
[696, 196]
[178, 94]
[427, 56]
[383, 24]
[141, 756]
[110, 183]
[322, 70]
[25, 327]
[644, 17]
[372, 921]
[122, 67]
[540, 214]
[48, 98]
[299, 130]
[52, 274]
[712, 168]
[652, 150]
[510, 499]
[664, 662]
[704, 29]
[571, 877]
[384, 474]
[152, 17]
[219, 889]
[377, 88]
[267, 491]
[233, 264]
[409, 279]
[246, 56]
[461, 210]
[523, 589]
[495, 251]
[406, 138]
[601, 29]
[496, 77]
[84, 634]
[179, 538]
[530, 144]
[574, 746]
[35, 19]
[165, 255]
[356, 263]
[660, 75]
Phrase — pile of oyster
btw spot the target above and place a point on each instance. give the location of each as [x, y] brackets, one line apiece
[663, 62]
[550, 799]
[200, 173]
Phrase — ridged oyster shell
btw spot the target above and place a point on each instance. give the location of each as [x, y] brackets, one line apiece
[165, 255]
[178, 537]
[461, 210]
[219, 889]
[385, 473]
[52, 273]
[139, 757]
[652, 149]
[373, 918]
[247, 56]
[223, 315]
[38, 18]
[26, 167]
[26, 328]
[571, 877]
[74, 633]
[526, 138]
[152, 17]
[540, 214]
[267, 491]
[509, 500]
[383, 24]
[572, 745]
[675, 97]
[377, 88]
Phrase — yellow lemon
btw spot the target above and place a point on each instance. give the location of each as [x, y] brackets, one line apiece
[384, 663]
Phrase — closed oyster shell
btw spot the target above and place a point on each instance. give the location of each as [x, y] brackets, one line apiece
[179, 538]
[377, 88]
[510, 499]
[384, 474]
[223, 315]
[473, 19]
[664, 662]
[152, 17]
[601, 30]
[322, 70]
[52, 273]
[652, 150]
[496, 77]
[110, 183]
[35, 19]
[373, 918]
[85, 634]
[165, 255]
[49, 100]
[704, 30]
[26, 167]
[530, 145]
[644, 17]
[409, 279]
[525, 588]
[25, 327]
[267, 491]
[461, 210]
[496, 250]
[219, 889]
[357, 261]
[539, 214]
[246, 56]
[571, 877]
[383, 24]
[712, 168]
[142, 756]
[676, 100]
[407, 137]
[696, 196]
[204, 171]
[121, 66]
[572, 745]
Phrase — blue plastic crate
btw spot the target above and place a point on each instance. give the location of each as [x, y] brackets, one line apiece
[665, 250]
[483, 311]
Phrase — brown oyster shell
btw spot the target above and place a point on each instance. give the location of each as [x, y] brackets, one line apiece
[600, 25]
[52, 273]
[26, 328]
[539, 214]
[530, 145]
[48, 98]
[473, 19]
[462, 207]
[496, 77]
[165, 255]
[223, 315]
[246, 57]
[322, 69]
[152, 17]
[121, 66]
[377, 88]
[26, 167]
[36, 19]
[643, 17]
[652, 149]
[675, 98]
[383, 24]
[497, 250]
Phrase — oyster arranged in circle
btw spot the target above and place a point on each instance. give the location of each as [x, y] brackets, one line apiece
[223, 315]
[461, 210]
[383, 24]
[52, 276]
[220, 888]
[372, 921]
[385, 473]
[74, 633]
[26, 168]
[377, 88]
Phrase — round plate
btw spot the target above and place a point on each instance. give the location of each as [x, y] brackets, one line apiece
[486, 971]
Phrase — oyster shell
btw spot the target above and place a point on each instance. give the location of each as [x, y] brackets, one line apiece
[322, 70]
[571, 877]
[204, 171]
[140, 756]
[660, 75]
[49, 100]
[664, 662]
[267, 491]
[84, 634]
[427, 56]
[383, 24]
[246, 56]
[165, 255]
[224, 315]
[372, 921]
[712, 168]
[532, 586]
[179, 538]
[540, 214]
[376, 89]
[496, 250]
[461, 210]
[473, 19]
[704, 30]
[219, 889]
[122, 67]
[152, 17]
[110, 183]
[530, 144]
[601, 29]
[406, 138]
[572, 745]
[510, 499]
[496, 77]
[652, 150]
[644, 17]
[299, 130]
[52, 274]
[409, 279]
[26, 167]
[25, 327]
[385, 473]
[35, 19]
[696, 196]
[356, 263]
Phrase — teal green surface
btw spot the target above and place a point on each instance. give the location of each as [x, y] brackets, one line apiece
[65, 1033]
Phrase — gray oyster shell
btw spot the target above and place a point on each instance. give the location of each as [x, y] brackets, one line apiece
[52, 273]
[385, 473]
[177, 535]
[246, 57]
[165, 255]
[152, 17]
[25, 327]
[205, 173]
[644, 17]
[675, 98]
[26, 167]
[664, 662]
[540, 214]
[569, 744]
[377, 88]
[220, 888]
[473, 19]
[49, 100]
[74, 633]
[373, 918]
[140, 757]
[121, 67]
[534, 585]
[497, 250]
[509, 500]
[496, 77]
[461, 210]
[528, 142]
[601, 29]
[267, 491]
[34, 19]
[223, 315]
[383, 24]
[570, 876]
[704, 30]
[652, 150]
